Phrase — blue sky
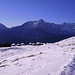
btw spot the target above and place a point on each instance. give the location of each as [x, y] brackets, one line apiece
[17, 12]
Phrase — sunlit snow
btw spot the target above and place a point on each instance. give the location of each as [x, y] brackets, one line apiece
[47, 59]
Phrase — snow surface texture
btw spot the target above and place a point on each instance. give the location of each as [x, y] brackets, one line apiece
[48, 59]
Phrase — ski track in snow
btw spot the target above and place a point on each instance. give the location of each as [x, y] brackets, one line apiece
[48, 59]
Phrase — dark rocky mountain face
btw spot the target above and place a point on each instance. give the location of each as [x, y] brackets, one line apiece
[2, 27]
[33, 31]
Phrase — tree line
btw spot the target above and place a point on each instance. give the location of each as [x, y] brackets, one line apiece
[5, 45]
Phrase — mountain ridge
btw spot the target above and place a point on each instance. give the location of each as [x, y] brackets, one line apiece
[41, 31]
[2, 26]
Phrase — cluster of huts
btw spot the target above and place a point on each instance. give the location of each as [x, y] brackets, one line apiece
[21, 44]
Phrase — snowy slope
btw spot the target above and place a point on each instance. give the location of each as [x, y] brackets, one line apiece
[69, 69]
[48, 59]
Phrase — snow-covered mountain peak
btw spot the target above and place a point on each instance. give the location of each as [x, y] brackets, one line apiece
[64, 23]
[38, 23]
[35, 23]
[41, 20]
